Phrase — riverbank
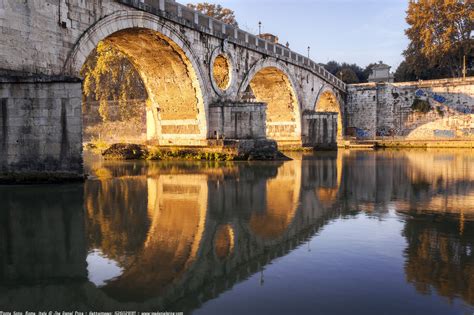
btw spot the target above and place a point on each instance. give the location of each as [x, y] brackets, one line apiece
[407, 144]
[233, 150]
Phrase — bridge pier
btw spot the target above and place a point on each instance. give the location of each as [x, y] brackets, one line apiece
[320, 130]
[237, 120]
[40, 129]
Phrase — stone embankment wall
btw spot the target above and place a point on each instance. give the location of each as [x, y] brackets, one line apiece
[41, 128]
[424, 110]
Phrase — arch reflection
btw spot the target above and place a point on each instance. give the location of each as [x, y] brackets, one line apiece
[282, 198]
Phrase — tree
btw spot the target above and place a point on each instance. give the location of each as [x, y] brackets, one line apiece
[368, 70]
[439, 33]
[350, 72]
[333, 67]
[404, 73]
[348, 75]
[420, 70]
[109, 76]
[216, 11]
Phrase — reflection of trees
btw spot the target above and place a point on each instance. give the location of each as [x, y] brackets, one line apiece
[439, 256]
[117, 220]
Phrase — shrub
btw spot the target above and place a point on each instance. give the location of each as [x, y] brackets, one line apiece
[421, 106]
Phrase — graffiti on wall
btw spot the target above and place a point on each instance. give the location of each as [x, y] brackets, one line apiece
[468, 132]
[428, 94]
[444, 133]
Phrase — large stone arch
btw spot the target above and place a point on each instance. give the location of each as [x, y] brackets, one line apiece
[328, 100]
[168, 66]
[271, 82]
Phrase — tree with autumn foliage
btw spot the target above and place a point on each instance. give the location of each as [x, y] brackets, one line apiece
[440, 36]
[110, 78]
[215, 11]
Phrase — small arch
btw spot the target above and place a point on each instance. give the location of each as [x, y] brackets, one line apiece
[328, 102]
[269, 81]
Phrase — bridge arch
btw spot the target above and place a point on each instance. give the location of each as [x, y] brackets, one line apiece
[330, 101]
[270, 81]
[177, 105]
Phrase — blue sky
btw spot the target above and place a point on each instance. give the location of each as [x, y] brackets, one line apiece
[354, 31]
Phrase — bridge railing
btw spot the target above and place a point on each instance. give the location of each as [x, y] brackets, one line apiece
[181, 14]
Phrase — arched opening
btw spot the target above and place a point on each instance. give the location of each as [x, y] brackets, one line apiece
[328, 103]
[170, 107]
[273, 87]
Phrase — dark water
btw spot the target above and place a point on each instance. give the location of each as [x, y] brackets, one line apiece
[346, 233]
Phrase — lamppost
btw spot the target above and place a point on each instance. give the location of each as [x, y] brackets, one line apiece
[259, 28]
[309, 49]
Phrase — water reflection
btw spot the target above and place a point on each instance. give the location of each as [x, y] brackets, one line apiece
[172, 236]
[439, 256]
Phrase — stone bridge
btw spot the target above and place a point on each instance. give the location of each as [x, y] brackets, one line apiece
[204, 80]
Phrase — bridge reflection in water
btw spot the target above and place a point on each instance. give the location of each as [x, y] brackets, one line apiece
[172, 236]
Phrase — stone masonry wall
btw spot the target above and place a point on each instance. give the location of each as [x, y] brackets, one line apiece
[425, 110]
[322, 130]
[41, 128]
[238, 121]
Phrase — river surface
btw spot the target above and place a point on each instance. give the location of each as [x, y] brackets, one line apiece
[388, 232]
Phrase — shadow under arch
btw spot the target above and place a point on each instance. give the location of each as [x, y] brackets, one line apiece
[269, 81]
[328, 102]
[177, 103]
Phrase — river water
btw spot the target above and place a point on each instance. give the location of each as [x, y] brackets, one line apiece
[358, 232]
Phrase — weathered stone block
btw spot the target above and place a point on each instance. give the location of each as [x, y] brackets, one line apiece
[33, 137]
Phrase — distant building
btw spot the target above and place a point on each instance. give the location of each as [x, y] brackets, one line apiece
[381, 73]
[269, 37]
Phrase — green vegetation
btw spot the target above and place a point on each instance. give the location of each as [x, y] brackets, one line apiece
[440, 111]
[349, 73]
[183, 154]
[421, 106]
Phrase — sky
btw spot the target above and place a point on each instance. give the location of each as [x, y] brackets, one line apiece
[353, 31]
